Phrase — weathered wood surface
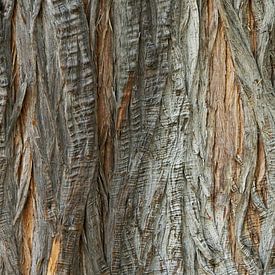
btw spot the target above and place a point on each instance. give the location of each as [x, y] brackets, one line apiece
[137, 137]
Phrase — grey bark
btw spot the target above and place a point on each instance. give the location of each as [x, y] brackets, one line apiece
[137, 137]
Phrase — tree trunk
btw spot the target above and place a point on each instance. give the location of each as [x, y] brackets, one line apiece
[137, 137]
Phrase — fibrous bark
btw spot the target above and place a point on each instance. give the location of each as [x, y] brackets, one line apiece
[137, 137]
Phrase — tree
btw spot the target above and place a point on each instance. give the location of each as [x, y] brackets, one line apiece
[137, 137]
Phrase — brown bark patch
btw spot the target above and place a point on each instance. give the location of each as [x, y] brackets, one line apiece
[253, 225]
[226, 138]
[28, 227]
[85, 5]
[105, 101]
[225, 116]
[52, 266]
[232, 236]
[127, 92]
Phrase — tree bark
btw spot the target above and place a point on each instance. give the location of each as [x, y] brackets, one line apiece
[137, 137]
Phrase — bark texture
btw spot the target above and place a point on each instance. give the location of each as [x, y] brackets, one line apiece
[137, 137]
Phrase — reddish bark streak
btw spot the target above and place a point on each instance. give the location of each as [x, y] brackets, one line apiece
[28, 226]
[127, 92]
[105, 104]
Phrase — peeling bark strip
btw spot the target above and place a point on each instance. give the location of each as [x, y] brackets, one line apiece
[137, 137]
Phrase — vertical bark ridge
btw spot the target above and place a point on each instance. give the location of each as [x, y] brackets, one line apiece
[96, 231]
[47, 167]
[153, 167]
[126, 62]
[24, 210]
[198, 187]
[28, 227]
[9, 249]
[258, 87]
[79, 99]
[105, 99]
[225, 140]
